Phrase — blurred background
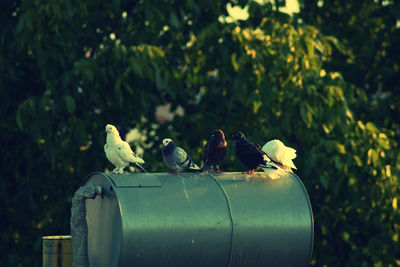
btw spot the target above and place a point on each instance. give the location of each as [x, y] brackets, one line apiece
[322, 76]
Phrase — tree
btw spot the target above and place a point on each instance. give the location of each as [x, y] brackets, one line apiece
[370, 31]
[72, 67]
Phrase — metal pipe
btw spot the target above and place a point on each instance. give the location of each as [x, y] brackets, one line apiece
[79, 229]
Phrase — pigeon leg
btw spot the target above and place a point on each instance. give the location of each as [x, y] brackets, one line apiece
[218, 169]
[250, 172]
[206, 168]
[212, 169]
[173, 172]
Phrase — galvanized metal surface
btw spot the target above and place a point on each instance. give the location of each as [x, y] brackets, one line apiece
[231, 219]
[272, 220]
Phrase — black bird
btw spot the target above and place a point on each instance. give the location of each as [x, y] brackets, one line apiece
[250, 154]
[214, 151]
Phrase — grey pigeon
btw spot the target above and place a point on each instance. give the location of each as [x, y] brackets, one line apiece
[176, 158]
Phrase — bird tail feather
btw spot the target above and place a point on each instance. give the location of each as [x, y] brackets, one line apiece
[138, 166]
[190, 165]
[193, 166]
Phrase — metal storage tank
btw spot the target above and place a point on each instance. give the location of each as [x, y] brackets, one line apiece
[191, 219]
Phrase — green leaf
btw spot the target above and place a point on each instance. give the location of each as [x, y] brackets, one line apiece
[340, 148]
[310, 162]
[384, 143]
[338, 162]
[154, 52]
[256, 106]
[235, 64]
[371, 127]
[336, 92]
[134, 63]
[159, 81]
[358, 161]
[324, 181]
[174, 20]
[373, 157]
[335, 42]
[69, 103]
[310, 47]
[346, 236]
[18, 119]
[319, 46]
[306, 116]
[26, 107]
[285, 50]
[118, 94]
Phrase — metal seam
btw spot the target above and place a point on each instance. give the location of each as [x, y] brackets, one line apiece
[230, 215]
[311, 216]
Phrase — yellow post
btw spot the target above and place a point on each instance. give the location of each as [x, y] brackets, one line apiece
[57, 251]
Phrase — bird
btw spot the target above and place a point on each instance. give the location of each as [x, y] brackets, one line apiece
[214, 151]
[280, 154]
[119, 153]
[176, 158]
[250, 154]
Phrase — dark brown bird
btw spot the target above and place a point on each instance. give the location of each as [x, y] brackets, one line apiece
[214, 151]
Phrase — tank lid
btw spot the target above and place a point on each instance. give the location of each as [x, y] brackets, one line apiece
[132, 180]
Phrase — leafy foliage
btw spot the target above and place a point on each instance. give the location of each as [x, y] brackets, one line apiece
[74, 66]
[370, 31]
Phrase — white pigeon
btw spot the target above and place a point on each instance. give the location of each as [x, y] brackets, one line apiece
[280, 154]
[119, 153]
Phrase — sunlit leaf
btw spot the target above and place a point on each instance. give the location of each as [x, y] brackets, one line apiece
[234, 62]
[358, 161]
[371, 127]
[340, 148]
[336, 91]
[383, 142]
[336, 42]
[373, 157]
[256, 106]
